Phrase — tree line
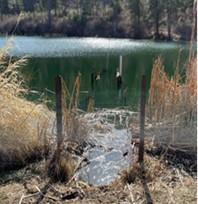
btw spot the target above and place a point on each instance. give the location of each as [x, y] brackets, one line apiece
[130, 18]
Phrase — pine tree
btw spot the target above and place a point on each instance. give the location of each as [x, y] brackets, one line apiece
[49, 6]
[171, 10]
[135, 7]
[156, 8]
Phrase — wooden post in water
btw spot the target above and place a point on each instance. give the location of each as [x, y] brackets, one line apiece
[59, 114]
[120, 65]
[142, 118]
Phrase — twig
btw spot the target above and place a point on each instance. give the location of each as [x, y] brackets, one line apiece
[77, 167]
[55, 199]
[21, 199]
[179, 175]
[131, 194]
[28, 196]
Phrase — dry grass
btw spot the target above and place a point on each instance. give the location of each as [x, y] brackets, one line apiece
[172, 106]
[167, 185]
[22, 123]
[62, 168]
[131, 174]
[25, 126]
[164, 183]
[75, 127]
[170, 97]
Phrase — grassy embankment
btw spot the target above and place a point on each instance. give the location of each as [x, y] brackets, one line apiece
[27, 129]
[23, 124]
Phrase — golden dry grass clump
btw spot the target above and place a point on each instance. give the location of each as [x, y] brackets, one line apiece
[169, 97]
[172, 106]
[22, 123]
[62, 168]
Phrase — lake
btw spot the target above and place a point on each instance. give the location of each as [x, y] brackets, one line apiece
[97, 60]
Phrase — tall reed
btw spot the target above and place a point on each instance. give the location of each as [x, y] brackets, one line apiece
[172, 105]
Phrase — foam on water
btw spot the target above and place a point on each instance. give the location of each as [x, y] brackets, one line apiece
[111, 150]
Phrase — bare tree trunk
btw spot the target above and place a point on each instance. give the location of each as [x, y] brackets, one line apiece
[17, 7]
[157, 19]
[169, 12]
[55, 7]
[169, 25]
[49, 14]
[157, 25]
[78, 7]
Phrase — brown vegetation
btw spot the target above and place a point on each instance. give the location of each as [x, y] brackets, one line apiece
[62, 165]
[166, 185]
[161, 183]
[172, 106]
[26, 127]
[23, 124]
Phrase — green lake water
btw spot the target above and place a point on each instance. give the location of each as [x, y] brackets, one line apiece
[49, 57]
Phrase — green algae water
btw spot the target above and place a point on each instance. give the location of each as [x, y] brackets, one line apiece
[97, 61]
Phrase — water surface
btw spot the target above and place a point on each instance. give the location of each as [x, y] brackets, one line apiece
[49, 57]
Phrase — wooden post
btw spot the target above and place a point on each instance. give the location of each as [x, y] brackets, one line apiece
[142, 118]
[59, 114]
[49, 15]
[120, 65]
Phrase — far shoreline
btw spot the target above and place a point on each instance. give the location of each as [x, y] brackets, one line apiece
[61, 36]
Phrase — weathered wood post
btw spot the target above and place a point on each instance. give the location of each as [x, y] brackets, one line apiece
[142, 118]
[59, 114]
